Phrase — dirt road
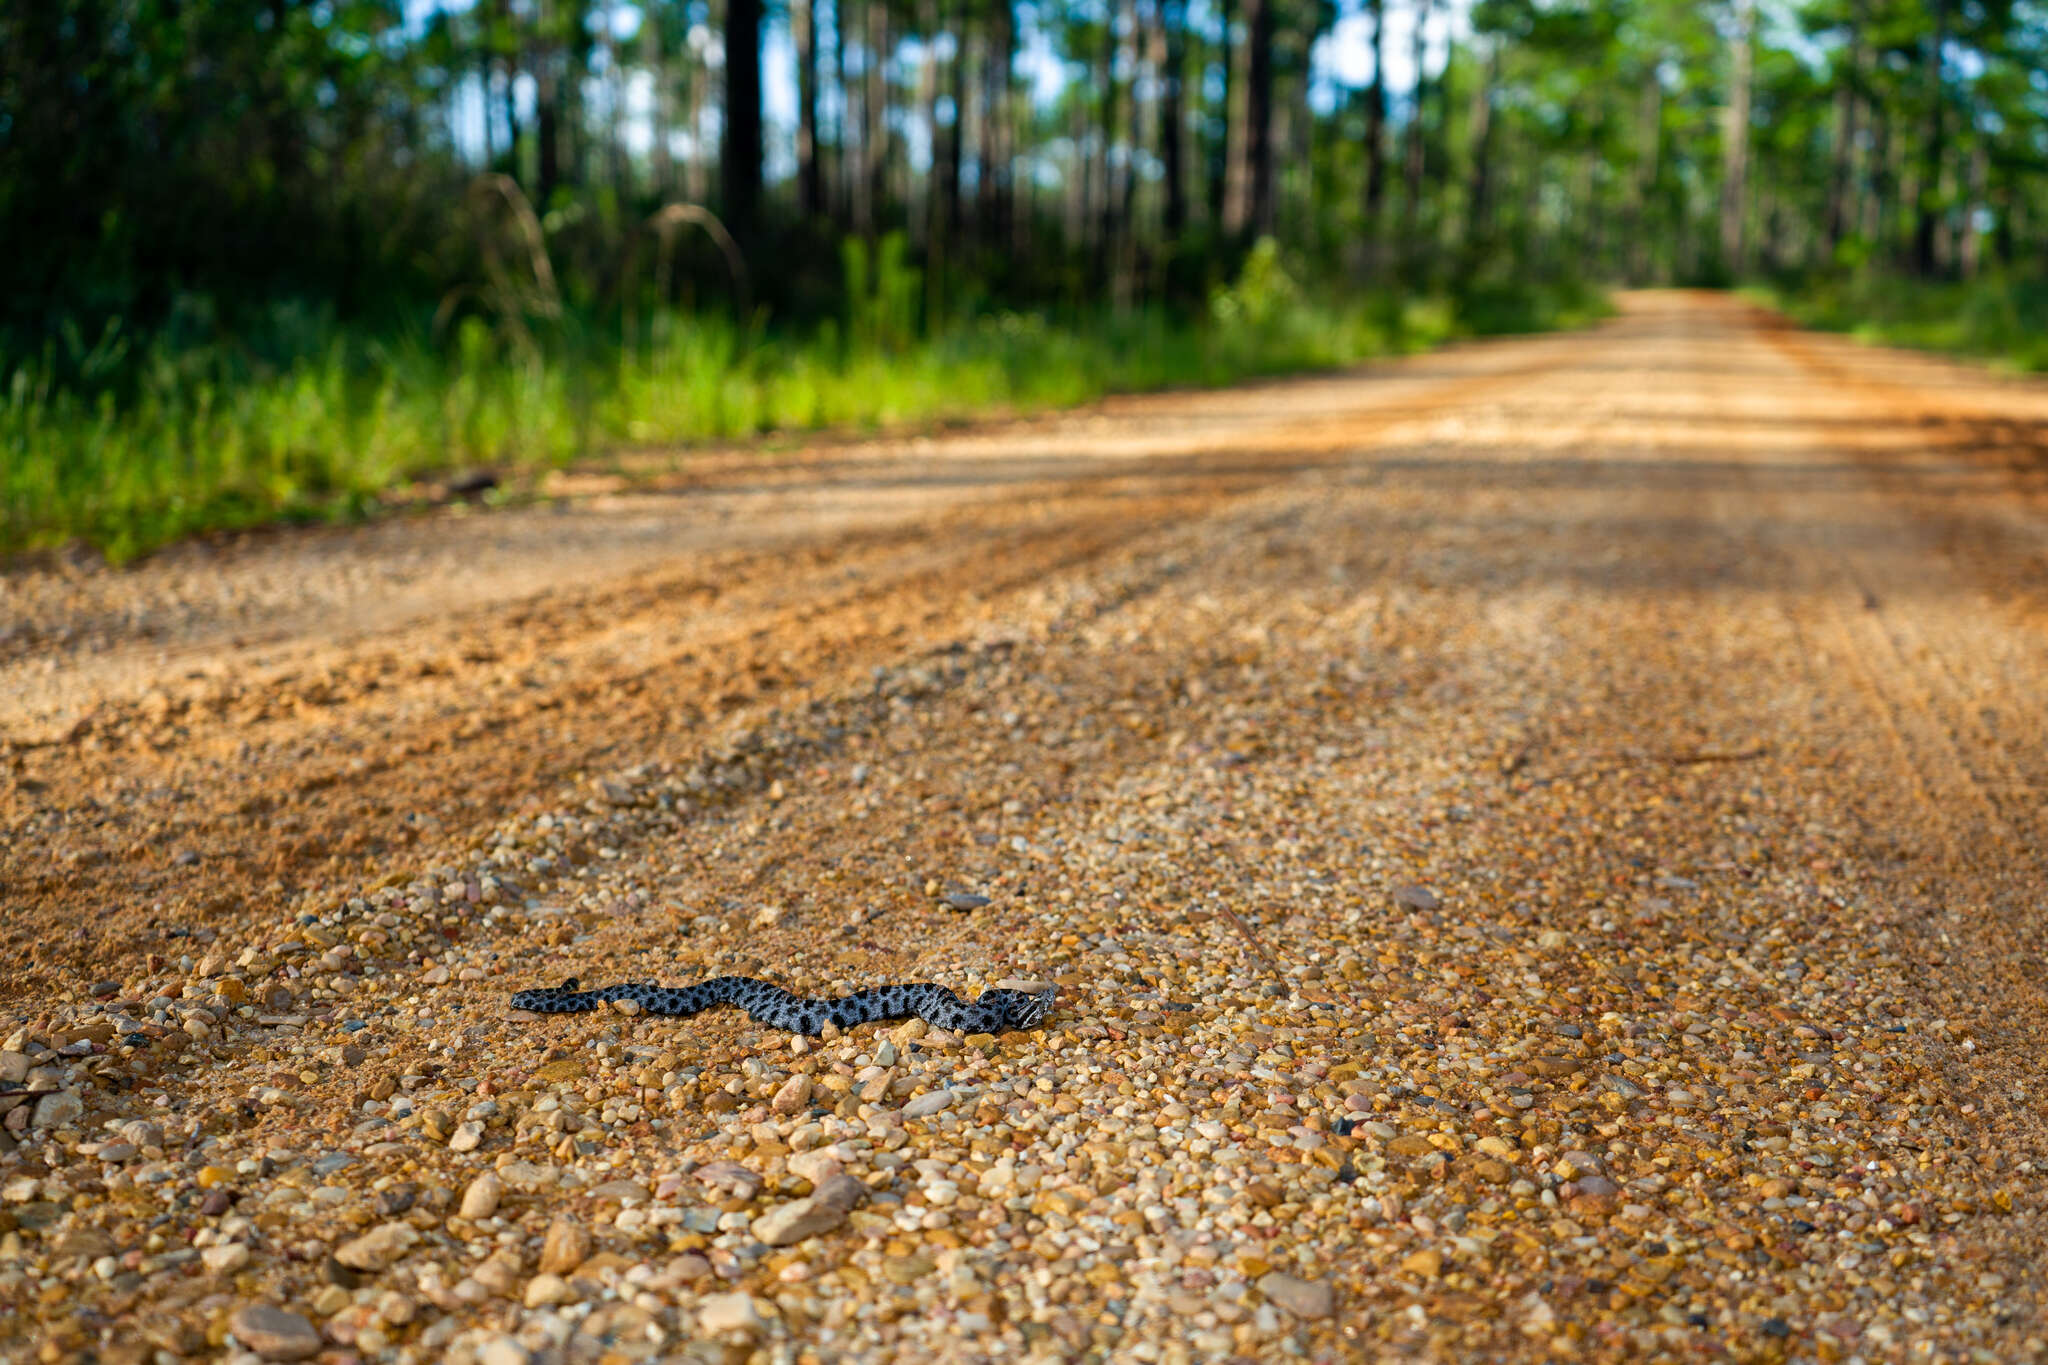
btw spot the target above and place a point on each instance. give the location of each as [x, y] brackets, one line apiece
[1540, 846]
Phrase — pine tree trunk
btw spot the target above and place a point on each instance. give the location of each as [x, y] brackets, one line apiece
[1926, 257]
[996, 193]
[1007, 220]
[924, 225]
[1839, 185]
[1877, 182]
[846, 124]
[860, 157]
[1230, 129]
[1478, 205]
[615, 170]
[696, 171]
[1123, 285]
[485, 70]
[1079, 177]
[985, 138]
[1446, 92]
[1735, 140]
[1649, 148]
[547, 130]
[1412, 169]
[1169, 53]
[509, 91]
[810, 175]
[956, 89]
[570, 40]
[1376, 121]
[1592, 240]
[1294, 138]
[1259, 30]
[662, 117]
[740, 156]
[1101, 183]
[875, 137]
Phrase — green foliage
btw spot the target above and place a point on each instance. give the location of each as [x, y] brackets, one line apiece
[2001, 317]
[1502, 308]
[206, 442]
[1263, 293]
[224, 226]
[882, 291]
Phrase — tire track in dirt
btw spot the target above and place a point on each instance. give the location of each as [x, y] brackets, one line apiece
[463, 767]
[1893, 563]
[185, 807]
[1640, 1058]
[1928, 658]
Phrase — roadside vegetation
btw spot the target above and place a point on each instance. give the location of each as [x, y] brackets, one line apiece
[2001, 318]
[185, 438]
[280, 258]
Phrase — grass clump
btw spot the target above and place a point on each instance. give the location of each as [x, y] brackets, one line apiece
[143, 448]
[2000, 317]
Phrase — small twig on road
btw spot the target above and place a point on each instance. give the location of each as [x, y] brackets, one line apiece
[1259, 951]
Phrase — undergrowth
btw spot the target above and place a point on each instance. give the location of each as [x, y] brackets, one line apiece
[147, 445]
[1999, 317]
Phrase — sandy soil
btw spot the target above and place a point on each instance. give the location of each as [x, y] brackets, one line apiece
[1539, 846]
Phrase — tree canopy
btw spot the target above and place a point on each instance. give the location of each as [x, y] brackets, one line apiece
[192, 166]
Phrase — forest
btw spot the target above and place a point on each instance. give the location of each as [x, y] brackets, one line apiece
[269, 258]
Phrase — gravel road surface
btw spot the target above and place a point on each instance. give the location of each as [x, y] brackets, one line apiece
[1541, 848]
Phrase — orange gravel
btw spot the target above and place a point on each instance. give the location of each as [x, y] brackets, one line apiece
[1539, 845]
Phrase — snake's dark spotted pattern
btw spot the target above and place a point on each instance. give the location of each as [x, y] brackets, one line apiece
[994, 1011]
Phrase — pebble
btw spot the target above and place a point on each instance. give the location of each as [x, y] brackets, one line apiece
[925, 1105]
[500, 1273]
[723, 1313]
[566, 1246]
[816, 1166]
[467, 1137]
[1415, 897]
[820, 1212]
[1428, 1263]
[273, 1333]
[792, 1095]
[546, 1289]
[732, 1177]
[480, 1200]
[57, 1109]
[628, 1191]
[225, 1258]
[502, 1350]
[1308, 1299]
[378, 1248]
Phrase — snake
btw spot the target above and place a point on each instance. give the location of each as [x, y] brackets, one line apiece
[992, 1012]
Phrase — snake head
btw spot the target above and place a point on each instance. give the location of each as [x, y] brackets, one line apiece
[1021, 1009]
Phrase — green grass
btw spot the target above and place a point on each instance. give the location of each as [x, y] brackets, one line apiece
[1999, 318]
[201, 442]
